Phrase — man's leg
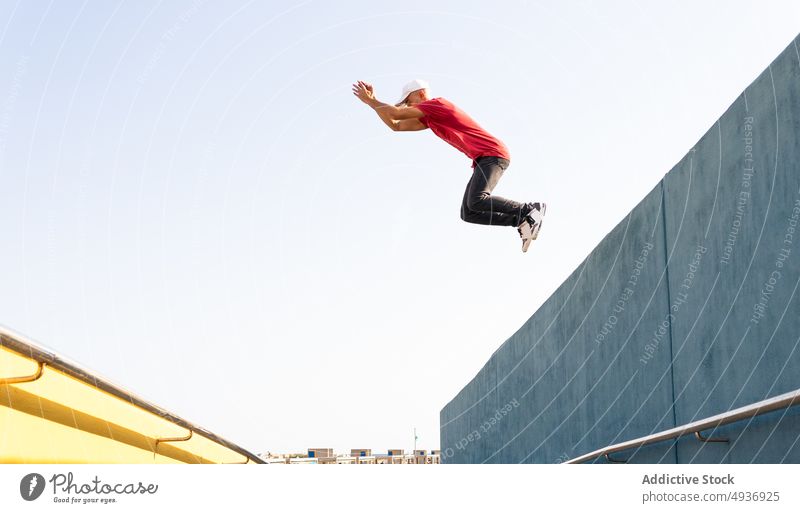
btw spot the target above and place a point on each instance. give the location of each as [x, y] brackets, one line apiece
[479, 206]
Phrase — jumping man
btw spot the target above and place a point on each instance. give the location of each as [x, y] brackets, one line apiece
[417, 110]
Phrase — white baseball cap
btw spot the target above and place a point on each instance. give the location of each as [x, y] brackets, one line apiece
[414, 85]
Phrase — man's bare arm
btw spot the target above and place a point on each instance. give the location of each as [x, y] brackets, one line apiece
[392, 116]
[400, 123]
[409, 125]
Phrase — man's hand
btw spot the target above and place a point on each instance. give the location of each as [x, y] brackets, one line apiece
[364, 92]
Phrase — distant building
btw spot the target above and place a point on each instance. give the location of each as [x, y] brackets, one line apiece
[320, 453]
[356, 457]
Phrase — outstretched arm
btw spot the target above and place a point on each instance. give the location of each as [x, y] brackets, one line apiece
[396, 118]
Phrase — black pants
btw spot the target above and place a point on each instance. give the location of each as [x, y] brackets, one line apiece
[479, 206]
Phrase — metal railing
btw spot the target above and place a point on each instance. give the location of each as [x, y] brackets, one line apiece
[25, 347]
[745, 412]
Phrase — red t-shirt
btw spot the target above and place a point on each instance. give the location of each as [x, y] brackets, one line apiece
[454, 126]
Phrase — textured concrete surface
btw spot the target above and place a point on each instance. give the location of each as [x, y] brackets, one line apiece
[686, 309]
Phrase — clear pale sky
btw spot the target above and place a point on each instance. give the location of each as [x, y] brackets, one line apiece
[194, 205]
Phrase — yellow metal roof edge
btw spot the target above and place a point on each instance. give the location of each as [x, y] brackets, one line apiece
[26, 347]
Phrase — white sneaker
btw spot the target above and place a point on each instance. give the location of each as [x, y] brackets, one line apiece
[535, 218]
[526, 234]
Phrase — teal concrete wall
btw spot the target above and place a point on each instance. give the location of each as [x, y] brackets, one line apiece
[686, 309]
